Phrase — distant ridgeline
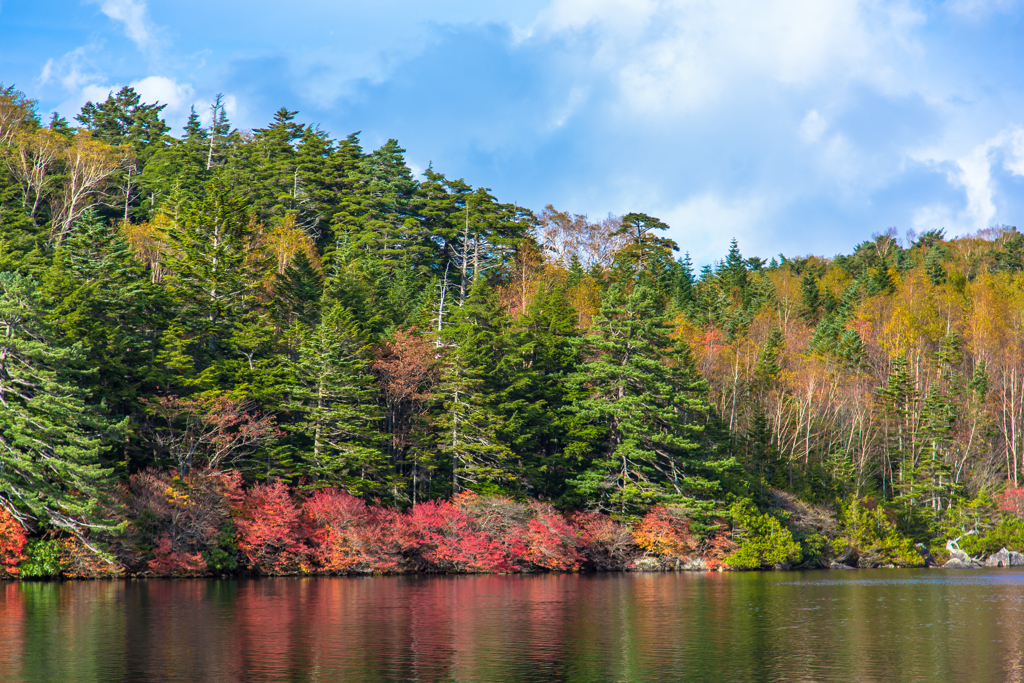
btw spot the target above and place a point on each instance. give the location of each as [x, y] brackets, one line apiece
[271, 351]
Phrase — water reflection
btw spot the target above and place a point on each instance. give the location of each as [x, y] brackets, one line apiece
[819, 626]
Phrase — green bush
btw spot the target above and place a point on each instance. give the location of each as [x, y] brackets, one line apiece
[763, 541]
[43, 559]
[871, 529]
[223, 557]
[1008, 533]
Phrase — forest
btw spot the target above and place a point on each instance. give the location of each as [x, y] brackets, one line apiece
[271, 351]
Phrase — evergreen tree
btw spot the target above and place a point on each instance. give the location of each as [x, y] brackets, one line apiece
[810, 297]
[331, 398]
[643, 243]
[212, 280]
[100, 300]
[641, 409]
[468, 423]
[124, 120]
[50, 467]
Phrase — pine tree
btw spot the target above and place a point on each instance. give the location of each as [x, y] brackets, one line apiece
[331, 398]
[810, 297]
[538, 354]
[933, 266]
[100, 299]
[124, 120]
[180, 167]
[640, 407]
[685, 286]
[298, 292]
[643, 243]
[50, 439]
[468, 423]
[213, 279]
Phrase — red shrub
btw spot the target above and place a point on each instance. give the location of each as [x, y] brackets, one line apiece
[551, 541]
[349, 537]
[1012, 501]
[718, 547]
[604, 543]
[269, 530]
[447, 540]
[169, 563]
[12, 542]
[667, 532]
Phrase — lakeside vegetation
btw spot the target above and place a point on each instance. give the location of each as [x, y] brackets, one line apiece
[271, 351]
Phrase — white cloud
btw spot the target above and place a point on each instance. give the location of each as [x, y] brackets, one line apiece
[132, 14]
[977, 10]
[812, 127]
[972, 172]
[165, 90]
[73, 70]
[705, 223]
[679, 55]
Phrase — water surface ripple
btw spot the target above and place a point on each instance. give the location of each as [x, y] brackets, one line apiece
[881, 625]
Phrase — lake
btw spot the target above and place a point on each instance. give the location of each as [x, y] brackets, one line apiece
[865, 625]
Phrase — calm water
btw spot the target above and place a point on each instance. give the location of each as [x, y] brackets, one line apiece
[881, 625]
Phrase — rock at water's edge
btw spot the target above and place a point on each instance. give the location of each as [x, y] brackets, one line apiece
[955, 563]
[1005, 558]
[839, 565]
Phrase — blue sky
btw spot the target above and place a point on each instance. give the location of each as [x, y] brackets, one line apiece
[800, 126]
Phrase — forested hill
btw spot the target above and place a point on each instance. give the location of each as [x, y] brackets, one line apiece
[278, 310]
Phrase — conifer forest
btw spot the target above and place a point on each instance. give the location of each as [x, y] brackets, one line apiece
[272, 351]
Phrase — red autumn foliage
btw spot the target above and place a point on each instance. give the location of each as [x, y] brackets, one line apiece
[204, 434]
[551, 540]
[604, 543]
[181, 516]
[406, 369]
[718, 547]
[349, 537]
[447, 541]
[167, 562]
[666, 532]
[269, 530]
[1012, 501]
[12, 543]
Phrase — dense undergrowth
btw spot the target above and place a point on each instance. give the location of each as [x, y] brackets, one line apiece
[210, 526]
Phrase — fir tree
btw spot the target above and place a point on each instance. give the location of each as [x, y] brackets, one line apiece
[331, 398]
[641, 407]
[50, 439]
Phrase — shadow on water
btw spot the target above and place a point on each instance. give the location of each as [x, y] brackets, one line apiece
[897, 625]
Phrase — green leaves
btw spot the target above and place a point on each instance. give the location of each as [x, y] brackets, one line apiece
[644, 397]
[50, 439]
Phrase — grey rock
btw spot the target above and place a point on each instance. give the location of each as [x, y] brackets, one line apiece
[647, 564]
[839, 565]
[695, 565]
[959, 555]
[999, 559]
[955, 563]
[1005, 558]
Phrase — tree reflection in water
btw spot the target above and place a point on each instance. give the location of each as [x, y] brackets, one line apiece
[858, 626]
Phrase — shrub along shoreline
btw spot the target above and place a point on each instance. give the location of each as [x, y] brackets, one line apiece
[208, 525]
